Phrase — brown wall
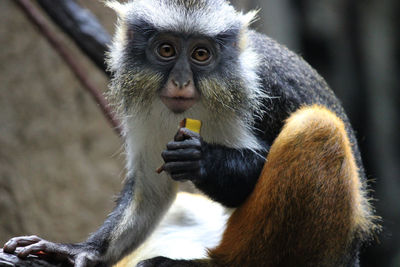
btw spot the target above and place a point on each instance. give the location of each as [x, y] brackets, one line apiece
[60, 163]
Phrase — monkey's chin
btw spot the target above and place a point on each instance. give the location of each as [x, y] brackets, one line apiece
[178, 104]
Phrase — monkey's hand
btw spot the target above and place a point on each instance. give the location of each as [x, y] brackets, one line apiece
[227, 175]
[78, 255]
[183, 156]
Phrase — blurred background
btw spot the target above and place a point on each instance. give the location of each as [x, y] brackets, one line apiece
[61, 163]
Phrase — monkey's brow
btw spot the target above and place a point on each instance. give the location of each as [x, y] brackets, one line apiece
[230, 35]
[146, 28]
[142, 26]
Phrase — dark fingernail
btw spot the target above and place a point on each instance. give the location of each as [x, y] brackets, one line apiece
[8, 248]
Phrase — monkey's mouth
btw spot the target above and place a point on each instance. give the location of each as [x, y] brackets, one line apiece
[178, 104]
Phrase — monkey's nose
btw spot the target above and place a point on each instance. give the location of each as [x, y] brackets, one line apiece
[180, 84]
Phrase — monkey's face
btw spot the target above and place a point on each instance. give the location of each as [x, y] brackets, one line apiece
[181, 59]
[181, 70]
[187, 58]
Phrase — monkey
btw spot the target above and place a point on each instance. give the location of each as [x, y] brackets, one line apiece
[277, 154]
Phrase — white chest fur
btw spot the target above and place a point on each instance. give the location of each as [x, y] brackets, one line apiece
[193, 223]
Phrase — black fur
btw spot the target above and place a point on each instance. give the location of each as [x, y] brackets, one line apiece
[229, 175]
[292, 83]
[225, 174]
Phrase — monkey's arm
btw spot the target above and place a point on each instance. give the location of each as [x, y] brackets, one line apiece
[124, 229]
[92, 251]
[225, 174]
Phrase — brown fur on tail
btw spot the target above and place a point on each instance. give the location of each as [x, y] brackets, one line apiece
[308, 207]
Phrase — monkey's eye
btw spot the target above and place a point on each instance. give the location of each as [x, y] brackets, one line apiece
[201, 55]
[166, 51]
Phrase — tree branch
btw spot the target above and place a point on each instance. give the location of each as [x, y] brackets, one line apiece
[82, 26]
[34, 15]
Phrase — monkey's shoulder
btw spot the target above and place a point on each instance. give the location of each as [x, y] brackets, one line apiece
[286, 73]
[290, 82]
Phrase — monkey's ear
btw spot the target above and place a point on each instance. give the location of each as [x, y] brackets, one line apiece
[247, 19]
[119, 8]
[250, 17]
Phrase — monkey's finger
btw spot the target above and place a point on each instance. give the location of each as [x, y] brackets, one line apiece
[20, 241]
[180, 177]
[181, 154]
[188, 143]
[185, 133]
[33, 249]
[46, 249]
[181, 166]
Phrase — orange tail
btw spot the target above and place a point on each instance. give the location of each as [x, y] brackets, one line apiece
[308, 207]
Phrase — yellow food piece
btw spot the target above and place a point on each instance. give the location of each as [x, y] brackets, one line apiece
[191, 124]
